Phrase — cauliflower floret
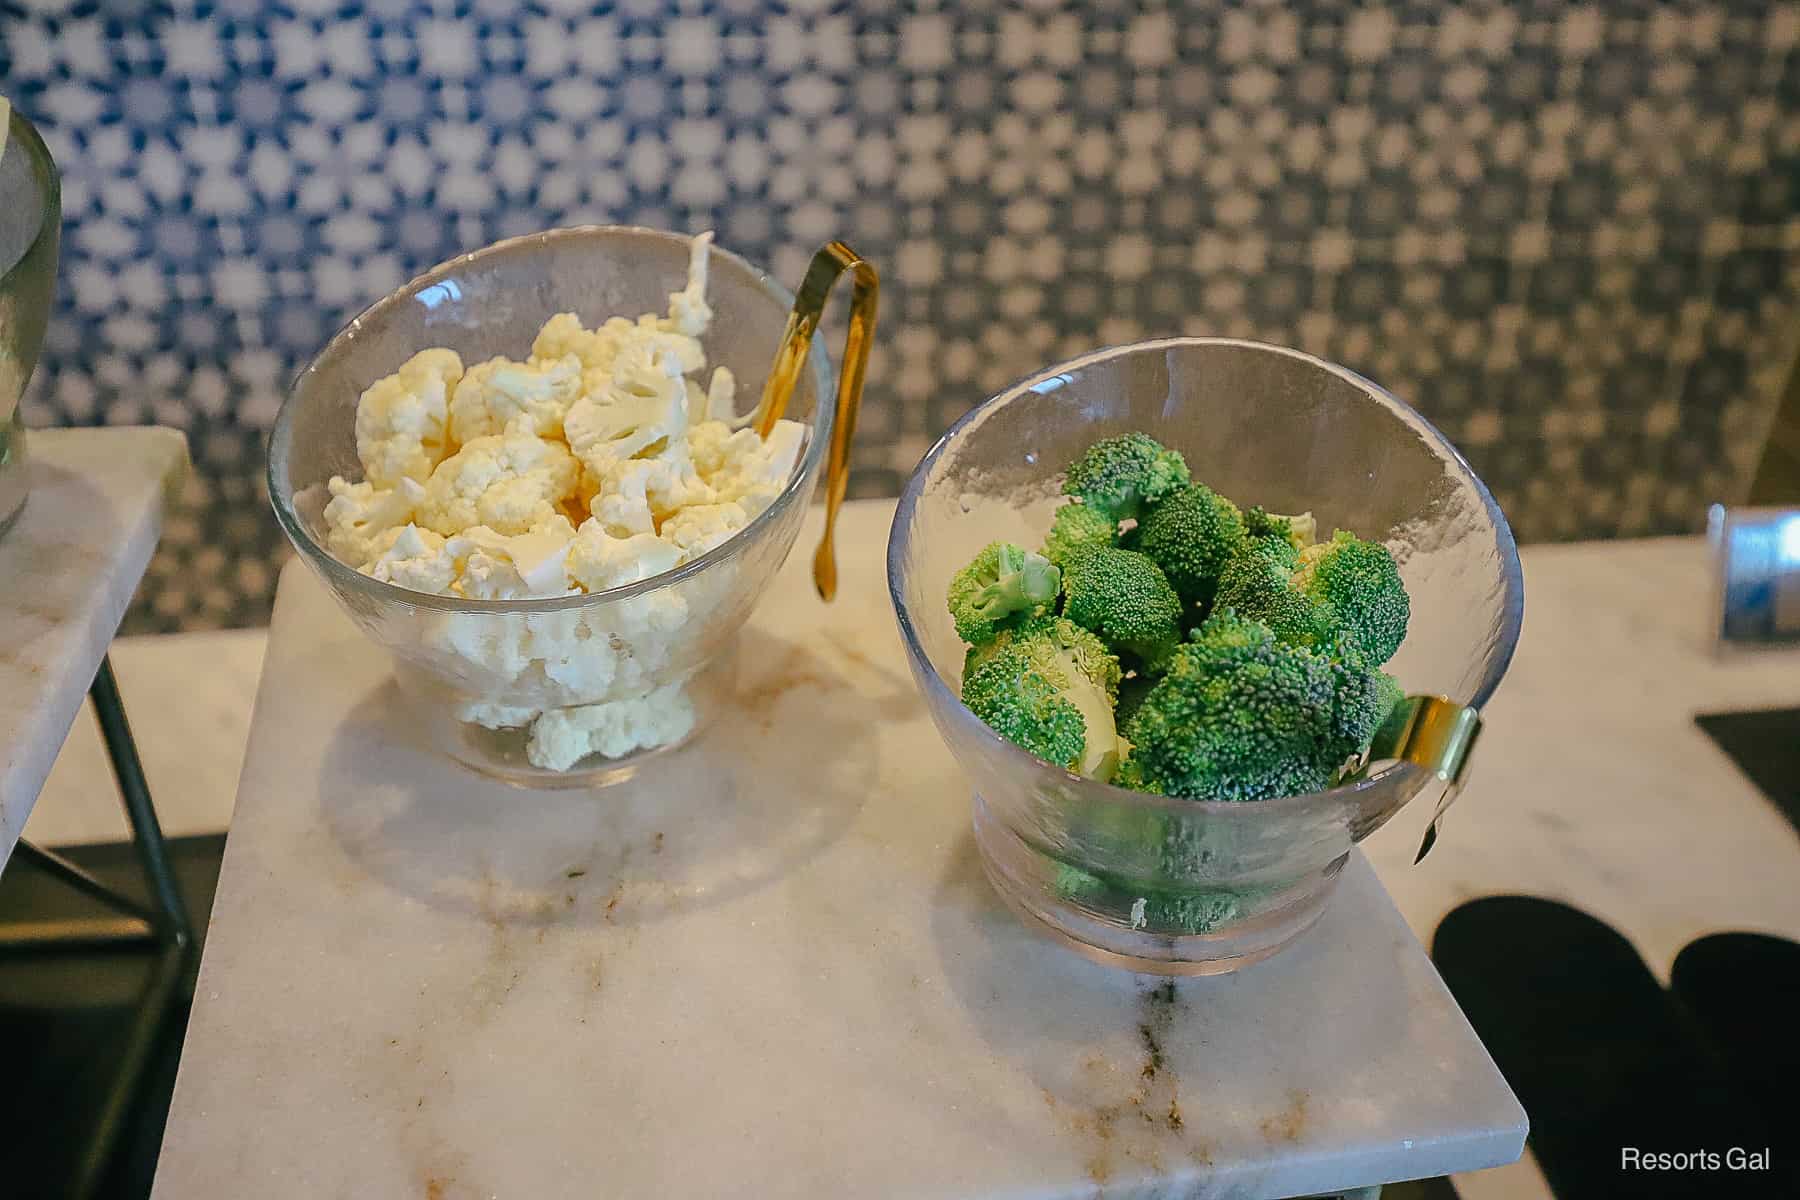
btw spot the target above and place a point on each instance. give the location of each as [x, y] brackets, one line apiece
[500, 394]
[500, 657]
[497, 716]
[563, 737]
[359, 513]
[564, 335]
[637, 495]
[743, 467]
[497, 566]
[417, 559]
[488, 576]
[644, 403]
[400, 419]
[598, 560]
[599, 350]
[510, 482]
[699, 528]
[688, 311]
[721, 398]
[707, 443]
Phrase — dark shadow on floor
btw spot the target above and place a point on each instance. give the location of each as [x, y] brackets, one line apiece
[63, 1022]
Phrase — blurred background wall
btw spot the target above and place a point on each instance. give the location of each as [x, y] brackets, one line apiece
[1567, 232]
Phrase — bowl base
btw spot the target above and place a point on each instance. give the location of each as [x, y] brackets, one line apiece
[1027, 881]
[493, 754]
[502, 754]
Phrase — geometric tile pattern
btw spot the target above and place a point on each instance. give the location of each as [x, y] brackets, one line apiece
[1569, 233]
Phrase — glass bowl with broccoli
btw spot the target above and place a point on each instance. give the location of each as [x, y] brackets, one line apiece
[1166, 603]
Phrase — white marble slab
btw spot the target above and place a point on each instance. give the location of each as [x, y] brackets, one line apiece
[68, 568]
[188, 696]
[771, 968]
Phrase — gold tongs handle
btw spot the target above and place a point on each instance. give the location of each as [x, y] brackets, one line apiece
[1436, 733]
[809, 308]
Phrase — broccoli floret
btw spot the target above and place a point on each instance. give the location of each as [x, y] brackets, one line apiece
[1239, 715]
[1074, 531]
[1120, 475]
[1345, 588]
[1049, 691]
[1191, 535]
[1361, 701]
[1297, 531]
[1001, 586]
[1131, 772]
[1258, 584]
[1392, 701]
[1389, 696]
[1091, 656]
[1131, 694]
[1357, 586]
[1122, 596]
[1242, 715]
[1036, 622]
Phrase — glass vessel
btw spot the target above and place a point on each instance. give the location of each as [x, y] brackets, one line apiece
[462, 664]
[1178, 886]
[30, 225]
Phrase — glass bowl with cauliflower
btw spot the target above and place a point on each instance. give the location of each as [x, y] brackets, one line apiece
[1178, 708]
[530, 475]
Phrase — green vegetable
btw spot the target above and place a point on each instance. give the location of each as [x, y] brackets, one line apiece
[1241, 715]
[1122, 596]
[1049, 689]
[1201, 910]
[1131, 694]
[1075, 530]
[1004, 584]
[1258, 584]
[1021, 627]
[1172, 852]
[1357, 586]
[1277, 693]
[1119, 476]
[1345, 588]
[1361, 700]
[1389, 695]
[1297, 531]
[1391, 703]
[1191, 535]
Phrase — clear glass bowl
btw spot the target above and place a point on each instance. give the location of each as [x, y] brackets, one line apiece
[462, 663]
[30, 225]
[1180, 886]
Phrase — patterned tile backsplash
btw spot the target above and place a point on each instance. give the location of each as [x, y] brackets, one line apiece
[1567, 232]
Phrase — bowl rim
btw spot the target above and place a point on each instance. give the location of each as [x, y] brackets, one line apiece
[346, 576]
[1512, 610]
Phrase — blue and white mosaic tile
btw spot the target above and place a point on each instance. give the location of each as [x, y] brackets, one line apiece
[1567, 232]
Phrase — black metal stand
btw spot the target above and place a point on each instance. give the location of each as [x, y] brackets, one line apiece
[164, 924]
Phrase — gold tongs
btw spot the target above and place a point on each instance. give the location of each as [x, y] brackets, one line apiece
[1435, 733]
[790, 360]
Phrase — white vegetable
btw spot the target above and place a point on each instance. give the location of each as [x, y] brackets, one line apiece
[477, 479]
[510, 482]
[400, 419]
[564, 737]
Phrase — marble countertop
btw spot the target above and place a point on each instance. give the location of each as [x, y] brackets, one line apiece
[67, 572]
[1644, 821]
[749, 963]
